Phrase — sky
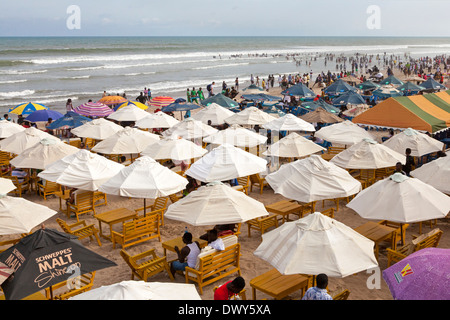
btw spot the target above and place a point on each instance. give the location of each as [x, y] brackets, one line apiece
[226, 18]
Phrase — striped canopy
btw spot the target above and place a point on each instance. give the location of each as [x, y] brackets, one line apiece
[27, 108]
[110, 100]
[161, 101]
[134, 103]
[428, 112]
[93, 109]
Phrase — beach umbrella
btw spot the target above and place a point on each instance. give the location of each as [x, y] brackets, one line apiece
[6, 186]
[144, 178]
[214, 112]
[236, 136]
[43, 115]
[42, 154]
[215, 203]
[431, 84]
[435, 173]
[9, 128]
[317, 244]
[368, 85]
[422, 275]
[385, 92]
[368, 154]
[261, 97]
[401, 199]
[349, 97]
[293, 146]
[27, 108]
[18, 215]
[111, 100]
[273, 109]
[126, 141]
[128, 113]
[419, 143]
[156, 120]
[93, 109]
[224, 163]
[24, 140]
[345, 132]
[413, 78]
[338, 87]
[289, 122]
[250, 116]
[253, 89]
[82, 170]
[177, 106]
[221, 100]
[177, 149]
[299, 89]
[69, 121]
[312, 179]
[134, 103]
[141, 290]
[351, 79]
[98, 129]
[45, 258]
[320, 115]
[189, 129]
[355, 110]
[313, 105]
[391, 80]
[160, 101]
[409, 87]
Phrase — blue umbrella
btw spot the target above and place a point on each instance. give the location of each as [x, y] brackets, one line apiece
[391, 80]
[221, 100]
[349, 97]
[299, 90]
[261, 97]
[69, 120]
[338, 87]
[180, 107]
[384, 93]
[432, 84]
[368, 85]
[410, 87]
[43, 115]
[313, 105]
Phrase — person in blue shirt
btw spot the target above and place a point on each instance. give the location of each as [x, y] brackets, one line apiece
[319, 292]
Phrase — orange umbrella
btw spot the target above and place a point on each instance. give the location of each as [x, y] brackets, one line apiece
[110, 100]
[161, 101]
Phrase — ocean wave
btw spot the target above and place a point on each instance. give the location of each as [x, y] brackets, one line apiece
[12, 81]
[75, 78]
[221, 66]
[21, 72]
[14, 94]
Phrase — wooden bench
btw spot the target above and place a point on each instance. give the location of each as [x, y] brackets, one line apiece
[146, 264]
[81, 284]
[214, 266]
[262, 224]
[84, 203]
[80, 229]
[137, 231]
[335, 150]
[428, 240]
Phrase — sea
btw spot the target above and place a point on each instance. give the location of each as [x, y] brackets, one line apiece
[50, 70]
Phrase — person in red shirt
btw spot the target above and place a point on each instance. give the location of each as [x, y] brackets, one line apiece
[229, 289]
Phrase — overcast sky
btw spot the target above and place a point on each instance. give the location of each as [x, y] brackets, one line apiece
[226, 18]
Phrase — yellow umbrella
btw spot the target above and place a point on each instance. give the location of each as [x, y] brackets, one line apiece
[135, 103]
[27, 108]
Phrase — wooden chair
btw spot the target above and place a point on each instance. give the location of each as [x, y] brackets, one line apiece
[80, 229]
[245, 183]
[89, 143]
[342, 295]
[137, 231]
[5, 244]
[366, 177]
[242, 295]
[100, 199]
[174, 198]
[75, 286]
[47, 188]
[84, 203]
[5, 157]
[256, 179]
[21, 186]
[159, 206]
[328, 212]
[262, 224]
[146, 264]
[335, 150]
[428, 240]
[401, 229]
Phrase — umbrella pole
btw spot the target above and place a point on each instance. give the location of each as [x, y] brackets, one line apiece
[145, 206]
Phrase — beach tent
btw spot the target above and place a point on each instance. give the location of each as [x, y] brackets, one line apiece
[215, 203]
[435, 173]
[338, 87]
[368, 154]
[293, 146]
[346, 133]
[189, 129]
[93, 109]
[431, 84]
[250, 116]
[426, 112]
[156, 120]
[349, 97]
[419, 143]
[23, 140]
[177, 149]
[9, 128]
[221, 100]
[313, 105]
[27, 108]
[98, 129]
[236, 136]
[214, 112]
[69, 121]
[312, 179]
[391, 80]
[299, 89]
[320, 115]
[289, 122]
[128, 113]
[317, 244]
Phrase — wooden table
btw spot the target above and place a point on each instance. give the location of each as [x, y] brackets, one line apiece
[377, 233]
[62, 195]
[178, 242]
[327, 156]
[284, 208]
[278, 286]
[113, 217]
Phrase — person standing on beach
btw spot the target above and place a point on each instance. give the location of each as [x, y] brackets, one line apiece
[194, 95]
[200, 94]
[236, 84]
[410, 163]
[69, 106]
[188, 95]
[210, 89]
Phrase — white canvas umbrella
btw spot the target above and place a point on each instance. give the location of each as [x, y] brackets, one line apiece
[128, 113]
[401, 199]
[189, 129]
[98, 129]
[435, 173]
[8, 128]
[214, 112]
[178, 149]
[126, 141]
[250, 116]
[141, 290]
[42, 154]
[312, 179]
[24, 140]
[317, 244]
[293, 146]
[18, 215]
[289, 122]
[82, 170]
[367, 154]
[226, 162]
[346, 133]
[419, 143]
[156, 120]
[236, 136]
[215, 203]
[6, 186]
